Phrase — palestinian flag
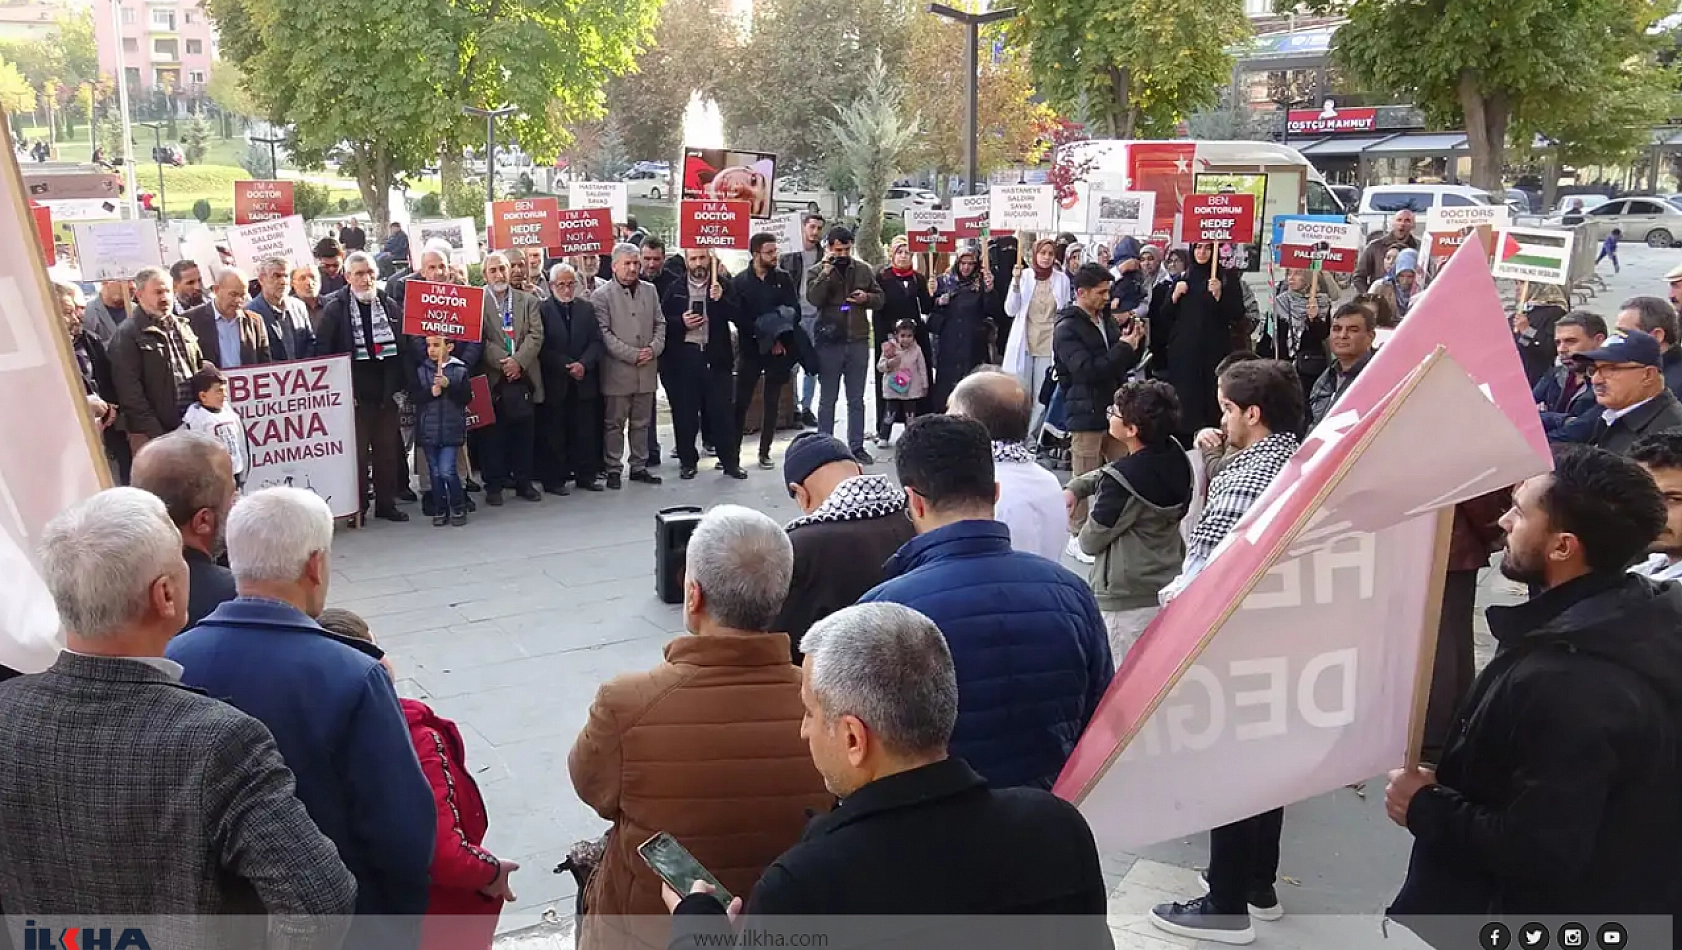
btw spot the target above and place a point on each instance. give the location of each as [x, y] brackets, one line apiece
[1533, 254]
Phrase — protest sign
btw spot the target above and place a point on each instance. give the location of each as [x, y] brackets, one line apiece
[1534, 254]
[261, 200]
[1444, 244]
[461, 234]
[300, 425]
[713, 225]
[1244, 250]
[1447, 228]
[1300, 657]
[480, 413]
[51, 456]
[785, 228]
[721, 174]
[252, 244]
[970, 215]
[117, 250]
[929, 230]
[446, 310]
[583, 231]
[42, 217]
[1226, 218]
[1023, 208]
[611, 195]
[1333, 246]
[1121, 213]
[524, 222]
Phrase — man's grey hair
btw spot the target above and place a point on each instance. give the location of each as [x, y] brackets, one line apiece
[561, 270]
[362, 257]
[439, 247]
[626, 250]
[1654, 313]
[500, 257]
[997, 400]
[101, 556]
[272, 533]
[149, 274]
[889, 666]
[743, 562]
[225, 272]
[268, 264]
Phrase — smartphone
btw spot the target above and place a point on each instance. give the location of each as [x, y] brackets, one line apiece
[677, 867]
[696, 307]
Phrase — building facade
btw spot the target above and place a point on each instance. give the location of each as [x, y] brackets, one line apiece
[167, 45]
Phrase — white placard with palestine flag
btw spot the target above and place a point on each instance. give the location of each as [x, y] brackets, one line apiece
[1539, 255]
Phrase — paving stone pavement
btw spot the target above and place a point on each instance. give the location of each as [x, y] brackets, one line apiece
[509, 624]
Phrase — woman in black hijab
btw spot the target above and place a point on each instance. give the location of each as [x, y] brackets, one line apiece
[1203, 316]
[959, 323]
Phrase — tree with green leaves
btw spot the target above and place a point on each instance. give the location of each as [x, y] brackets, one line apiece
[873, 137]
[195, 141]
[385, 87]
[1132, 73]
[226, 89]
[310, 199]
[16, 94]
[1512, 69]
[694, 49]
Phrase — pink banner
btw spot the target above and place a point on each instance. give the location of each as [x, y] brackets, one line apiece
[1290, 662]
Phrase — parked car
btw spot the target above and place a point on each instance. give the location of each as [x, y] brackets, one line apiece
[793, 194]
[1641, 218]
[899, 200]
[1379, 202]
[1589, 203]
[1347, 195]
[648, 184]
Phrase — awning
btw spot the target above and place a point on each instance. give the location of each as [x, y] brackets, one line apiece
[1420, 143]
[1344, 147]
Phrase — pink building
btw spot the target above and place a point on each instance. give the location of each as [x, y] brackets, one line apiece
[166, 43]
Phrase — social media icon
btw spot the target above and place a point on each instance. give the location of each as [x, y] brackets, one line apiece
[1611, 936]
[1533, 937]
[1494, 936]
[1573, 935]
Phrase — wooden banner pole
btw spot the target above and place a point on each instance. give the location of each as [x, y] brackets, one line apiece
[1429, 623]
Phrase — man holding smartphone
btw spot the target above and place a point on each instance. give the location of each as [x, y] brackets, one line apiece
[844, 291]
[697, 366]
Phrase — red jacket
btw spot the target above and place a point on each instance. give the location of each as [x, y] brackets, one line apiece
[458, 917]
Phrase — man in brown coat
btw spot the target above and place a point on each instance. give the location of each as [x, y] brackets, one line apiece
[513, 342]
[706, 746]
[634, 336]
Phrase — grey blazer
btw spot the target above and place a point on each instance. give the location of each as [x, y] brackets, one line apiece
[124, 793]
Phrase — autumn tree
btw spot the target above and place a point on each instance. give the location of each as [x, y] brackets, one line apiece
[1132, 73]
[1511, 69]
[694, 50]
[874, 137]
[1010, 124]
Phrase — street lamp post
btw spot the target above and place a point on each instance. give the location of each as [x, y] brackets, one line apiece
[271, 142]
[157, 156]
[123, 121]
[490, 116]
[972, 73]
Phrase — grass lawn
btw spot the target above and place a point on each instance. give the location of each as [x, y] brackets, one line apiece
[214, 183]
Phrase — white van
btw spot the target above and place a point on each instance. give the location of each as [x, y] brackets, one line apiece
[1379, 202]
[1170, 169]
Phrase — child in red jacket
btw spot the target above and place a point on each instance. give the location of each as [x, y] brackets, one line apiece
[469, 884]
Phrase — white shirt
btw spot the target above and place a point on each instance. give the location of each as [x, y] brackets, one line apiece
[1031, 505]
[1613, 415]
[1659, 568]
[225, 427]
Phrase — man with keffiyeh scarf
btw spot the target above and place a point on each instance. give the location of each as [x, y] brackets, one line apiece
[364, 323]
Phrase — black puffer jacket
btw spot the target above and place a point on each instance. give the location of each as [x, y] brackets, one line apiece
[1091, 363]
[1561, 784]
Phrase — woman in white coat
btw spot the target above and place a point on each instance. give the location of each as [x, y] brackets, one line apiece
[1037, 294]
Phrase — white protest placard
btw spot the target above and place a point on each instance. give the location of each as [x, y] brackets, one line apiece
[461, 234]
[1023, 208]
[1445, 220]
[1542, 255]
[785, 228]
[252, 244]
[1334, 245]
[924, 220]
[600, 194]
[1112, 213]
[970, 213]
[117, 250]
[300, 427]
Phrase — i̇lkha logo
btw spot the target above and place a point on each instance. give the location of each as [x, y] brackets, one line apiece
[83, 938]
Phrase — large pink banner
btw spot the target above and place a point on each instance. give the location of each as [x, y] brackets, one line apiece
[1290, 666]
[47, 459]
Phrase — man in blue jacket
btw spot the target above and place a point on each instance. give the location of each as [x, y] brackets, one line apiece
[330, 706]
[1026, 636]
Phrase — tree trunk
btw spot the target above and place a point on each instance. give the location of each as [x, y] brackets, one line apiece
[1119, 112]
[1487, 115]
[373, 179]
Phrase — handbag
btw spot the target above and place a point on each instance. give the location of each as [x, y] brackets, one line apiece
[582, 860]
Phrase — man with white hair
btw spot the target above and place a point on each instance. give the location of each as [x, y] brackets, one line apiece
[433, 265]
[634, 335]
[154, 355]
[291, 336]
[327, 700]
[230, 336]
[716, 728]
[569, 427]
[917, 832]
[365, 324]
[203, 817]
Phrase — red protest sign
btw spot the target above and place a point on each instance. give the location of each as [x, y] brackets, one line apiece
[713, 225]
[479, 411]
[444, 310]
[1444, 244]
[1334, 245]
[1220, 218]
[43, 218]
[526, 222]
[256, 201]
[584, 231]
[924, 242]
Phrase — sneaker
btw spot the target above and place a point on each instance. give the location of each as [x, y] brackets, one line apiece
[615, 481]
[863, 457]
[1263, 903]
[593, 484]
[459, 518]
[646, 477]
[708, 449]
[441, 519]
[736, 472]
[1197, 920]
[493, 497]
[686, 473]
[766, 463]
[1073, 550]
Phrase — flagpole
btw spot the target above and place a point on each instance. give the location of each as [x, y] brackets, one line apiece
[1429, 624]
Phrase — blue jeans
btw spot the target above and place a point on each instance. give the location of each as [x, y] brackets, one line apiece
[840, 363]
[446, 485]
[1057, 413]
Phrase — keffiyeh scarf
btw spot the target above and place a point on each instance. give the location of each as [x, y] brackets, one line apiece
[859, 498]
[1012, 452]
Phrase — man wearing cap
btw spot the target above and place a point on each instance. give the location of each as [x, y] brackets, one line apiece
[1674, 278]
[1630, 388]
[1656, 317]
[851, 524]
